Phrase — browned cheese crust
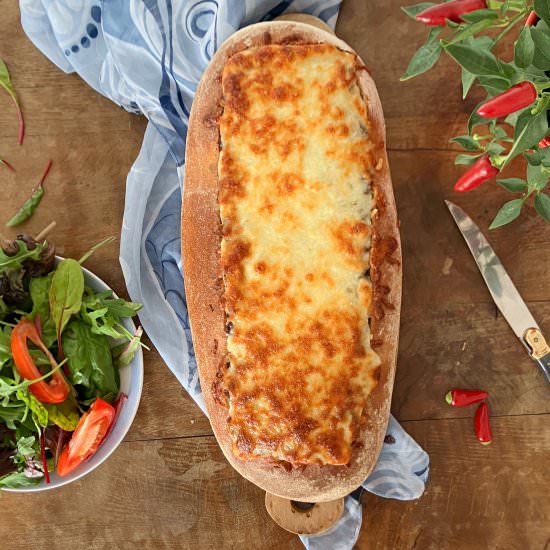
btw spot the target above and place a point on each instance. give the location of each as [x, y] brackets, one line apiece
[201, 242]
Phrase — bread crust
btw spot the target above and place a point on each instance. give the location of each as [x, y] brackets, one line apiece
[201, 239]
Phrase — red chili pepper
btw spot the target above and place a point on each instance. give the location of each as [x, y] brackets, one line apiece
[463, 398]
[482, 424]
[512, 100]
[54, 390]
[532, 19]
[480, 172]
[544, 142]
[438, 15]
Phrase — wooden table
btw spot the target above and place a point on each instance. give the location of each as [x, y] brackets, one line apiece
[168, 485]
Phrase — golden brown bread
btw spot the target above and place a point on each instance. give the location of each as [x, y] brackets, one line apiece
[201, 239]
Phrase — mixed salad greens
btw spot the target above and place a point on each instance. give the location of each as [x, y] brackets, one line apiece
[61, 347]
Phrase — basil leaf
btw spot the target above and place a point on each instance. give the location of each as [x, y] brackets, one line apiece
[466, 160]
[90, 362]
[515, 185]
[525, 49]
[508, 213]
[18, 480]
[426, 57]
[542, 206]
[66, 293]
[542, 7]
[529, 131]
[477, 61]
[467, 142]
[413, 11]
[39, 289]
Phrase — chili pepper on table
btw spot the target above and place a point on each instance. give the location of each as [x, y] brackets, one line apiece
[532, 19]
[482, 424]
[463, 398]
[7, 165]
[512, 100]
[480, 172]
[437, 15]
[31, 204]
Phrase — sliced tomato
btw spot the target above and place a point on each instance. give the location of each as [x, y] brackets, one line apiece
[56, 389]
[90, 433]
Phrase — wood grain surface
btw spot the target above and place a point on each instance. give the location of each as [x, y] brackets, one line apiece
[168, 486]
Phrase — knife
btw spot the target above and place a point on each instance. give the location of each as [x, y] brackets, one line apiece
[502, 289]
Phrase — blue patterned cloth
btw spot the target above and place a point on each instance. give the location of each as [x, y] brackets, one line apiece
[147, 56]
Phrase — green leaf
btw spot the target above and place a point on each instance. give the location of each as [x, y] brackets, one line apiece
[25, 446]
[5, 81]
[23, 253]
[5, 346]
[494, 148]
[542, 7]
[66, 293]
[39, 289]
[18, 480]
[525, 49]
[39, 412]
[90, 362]
[475, 119]
[537, 177]
[466, 160]
[467, 80]
[413, 11]
[477, 61]
[13, 413]
[529, 131]
[542, 206]
[426, 56]
[480, 15]
[125, 354]
[541, 39]
[514, 185]
[469, 31]
[467, 142]
[512, 118]
[494, 85]
[65, 415]
[508, 213]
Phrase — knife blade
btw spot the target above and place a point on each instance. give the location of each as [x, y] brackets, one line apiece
[502, 289]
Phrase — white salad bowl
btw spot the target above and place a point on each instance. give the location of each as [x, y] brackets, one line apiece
[131, 384]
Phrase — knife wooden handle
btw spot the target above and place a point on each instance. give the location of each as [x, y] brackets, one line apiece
[540, 351]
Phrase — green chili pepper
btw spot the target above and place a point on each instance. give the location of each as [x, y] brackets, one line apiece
[31, 204]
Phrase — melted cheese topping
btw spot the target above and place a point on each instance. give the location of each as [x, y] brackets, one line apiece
[295, 204]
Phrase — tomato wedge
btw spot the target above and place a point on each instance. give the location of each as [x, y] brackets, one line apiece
[56, 389]
[88, 436]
